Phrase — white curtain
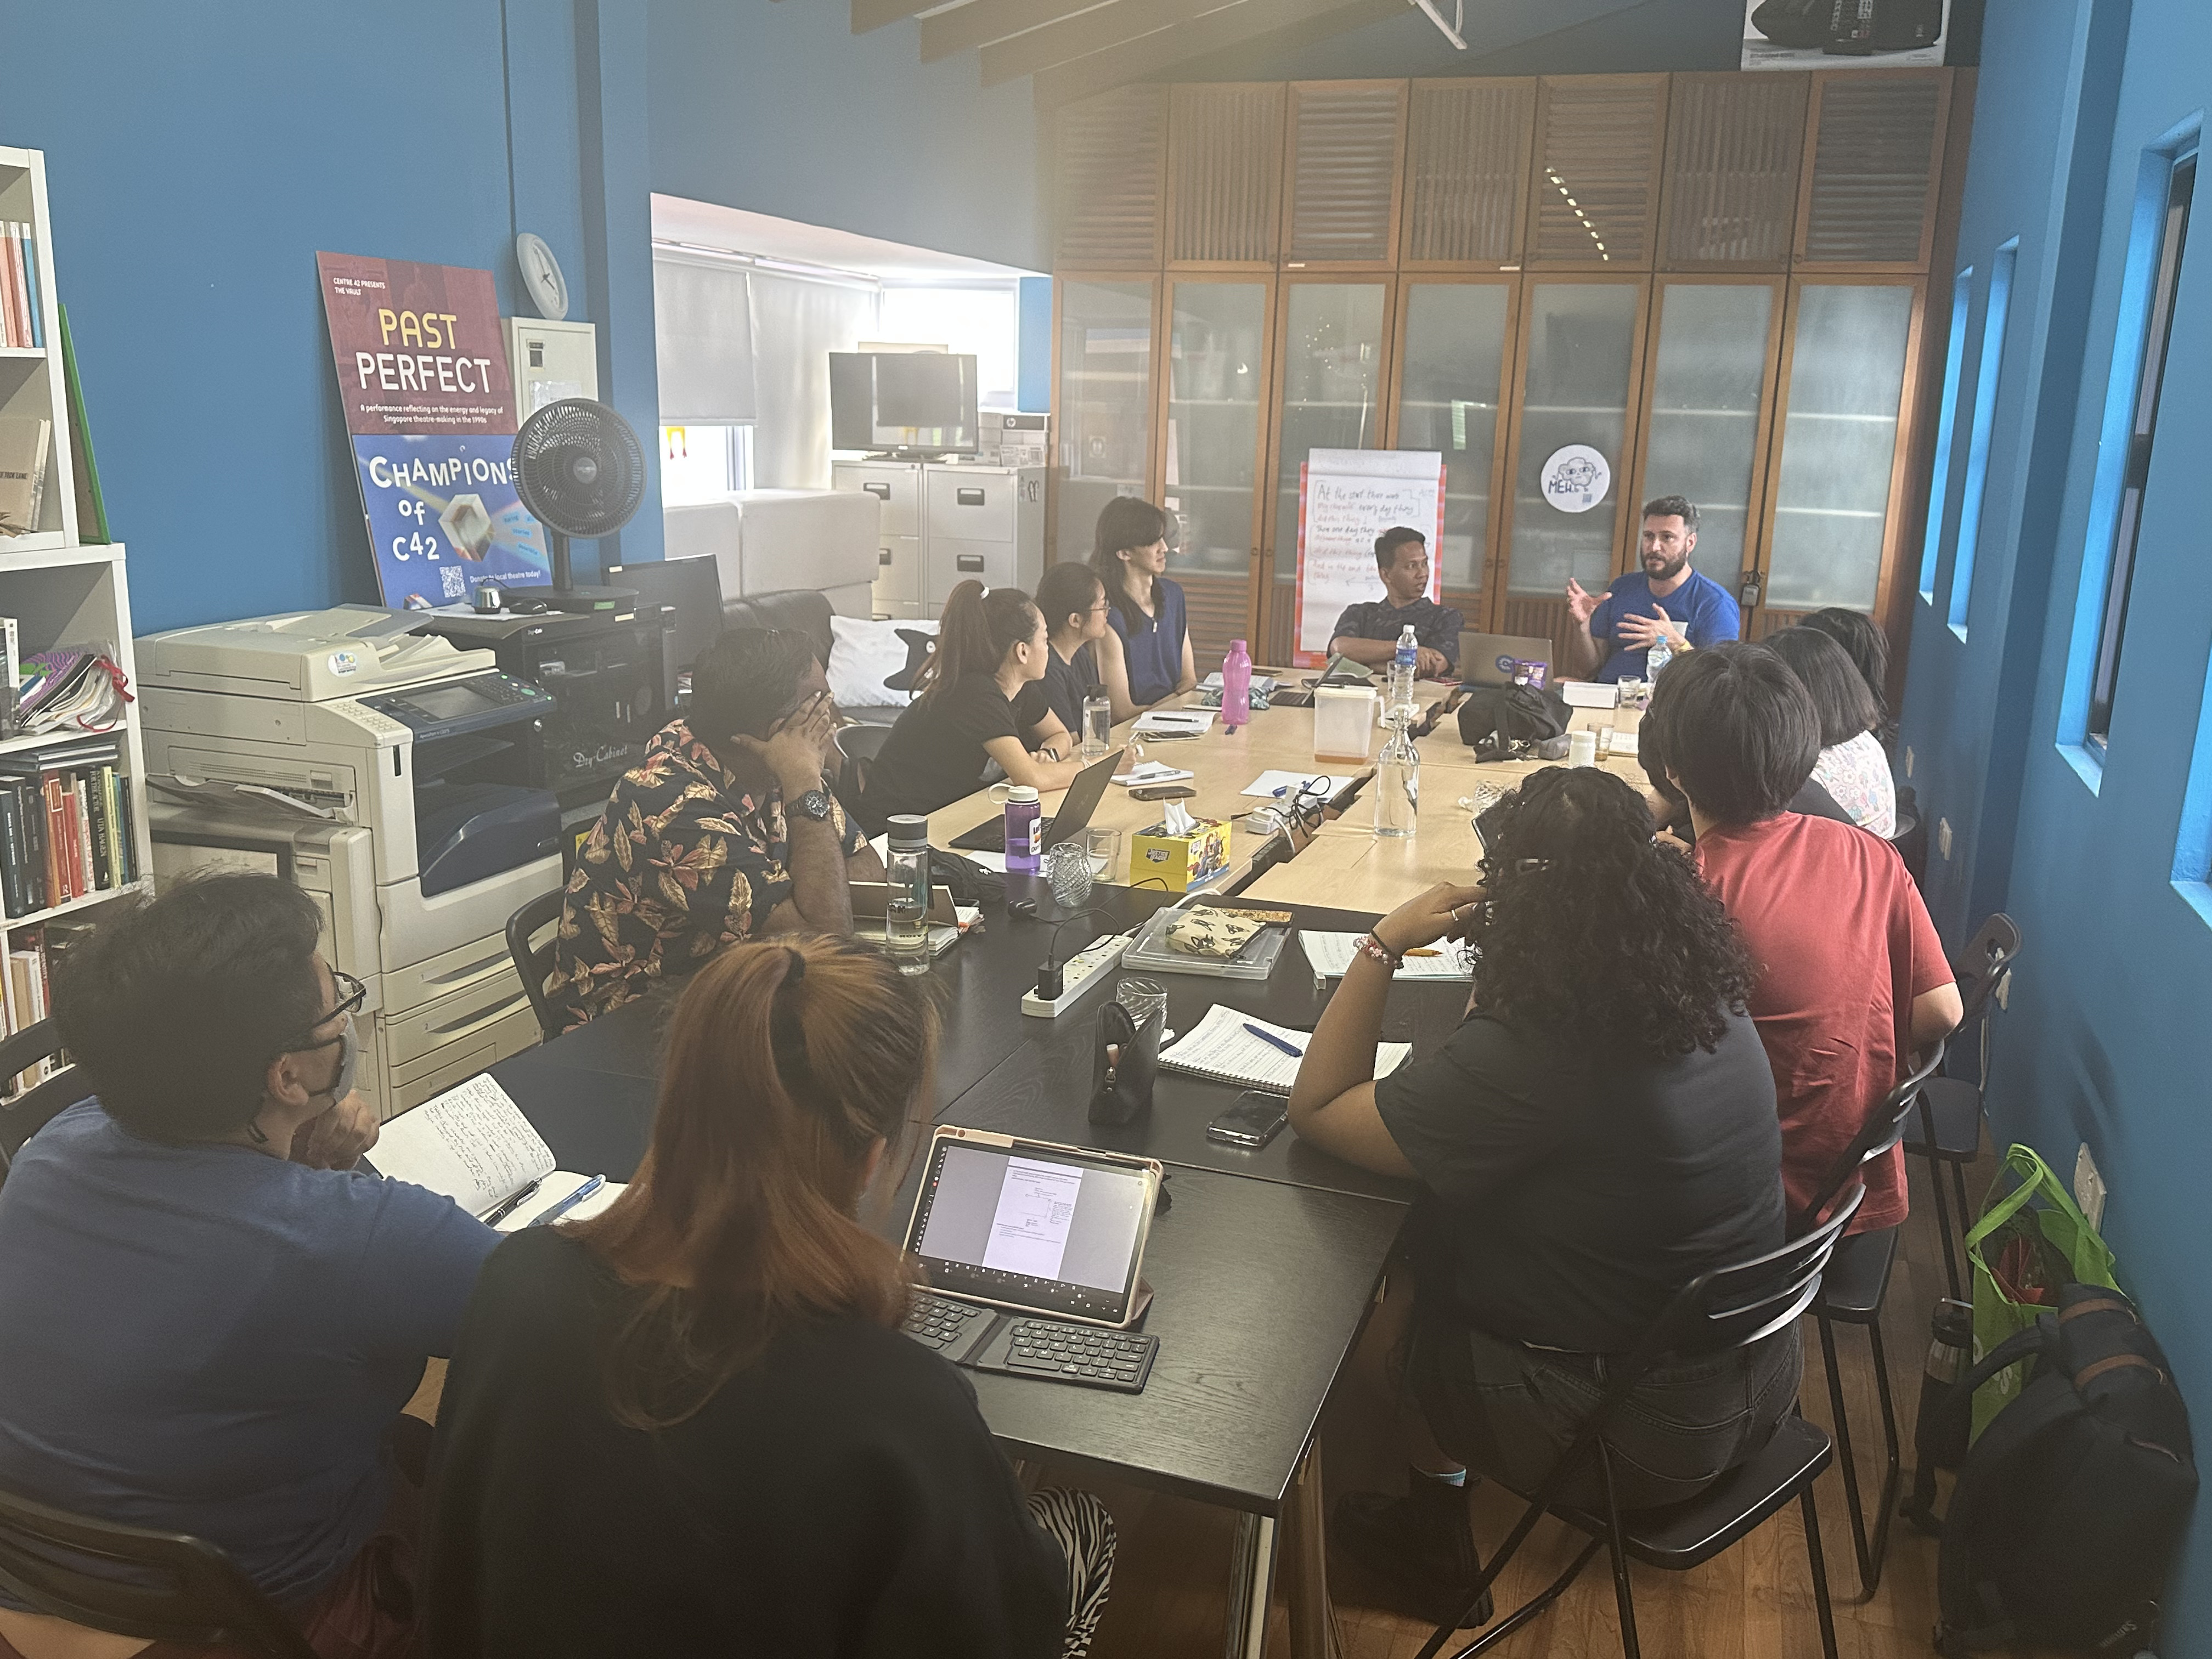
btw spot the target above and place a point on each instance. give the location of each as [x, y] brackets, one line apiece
[703, 335]
[796, 324]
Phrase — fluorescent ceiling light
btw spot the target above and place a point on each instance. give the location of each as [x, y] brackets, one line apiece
[1451, 30]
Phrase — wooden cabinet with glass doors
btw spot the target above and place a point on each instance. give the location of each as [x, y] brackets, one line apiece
[1713, 284]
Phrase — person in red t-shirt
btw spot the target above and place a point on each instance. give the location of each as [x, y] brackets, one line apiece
[1851, 977]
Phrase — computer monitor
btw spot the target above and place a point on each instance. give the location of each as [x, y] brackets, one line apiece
[906, 402]
[689, 593]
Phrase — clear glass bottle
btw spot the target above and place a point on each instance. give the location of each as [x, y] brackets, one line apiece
[1397, 784]
[907, 858]
[1097, 724]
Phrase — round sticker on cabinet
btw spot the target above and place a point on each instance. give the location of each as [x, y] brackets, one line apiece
[1576, 479]
[343, 662]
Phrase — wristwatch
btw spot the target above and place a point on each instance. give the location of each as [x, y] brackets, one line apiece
[815, 805]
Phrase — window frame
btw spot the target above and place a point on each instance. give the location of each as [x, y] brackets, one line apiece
[1947, 423]
[2146, 376]
[1989, 377]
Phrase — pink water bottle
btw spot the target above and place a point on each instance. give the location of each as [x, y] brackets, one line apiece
[1024, 829]
[1236, 686]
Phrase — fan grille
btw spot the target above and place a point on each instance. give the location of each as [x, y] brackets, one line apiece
[579, 468]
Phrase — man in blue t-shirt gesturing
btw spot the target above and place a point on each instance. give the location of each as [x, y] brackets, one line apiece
[1665, 597]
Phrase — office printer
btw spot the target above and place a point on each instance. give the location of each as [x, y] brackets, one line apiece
[391, 775]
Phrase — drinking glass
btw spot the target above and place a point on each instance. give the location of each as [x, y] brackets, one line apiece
[1104, 846]
[906, 934]
[1067, 871]
[1141, 997]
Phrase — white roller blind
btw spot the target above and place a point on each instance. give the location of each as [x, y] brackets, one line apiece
[703, 339]
[797, 324]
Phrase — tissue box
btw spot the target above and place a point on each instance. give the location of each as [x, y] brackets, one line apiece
[1182, 861]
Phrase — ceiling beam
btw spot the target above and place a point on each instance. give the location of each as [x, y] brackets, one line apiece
[1099, 29]
[979, 23]
[874, 13]
[1228, 26]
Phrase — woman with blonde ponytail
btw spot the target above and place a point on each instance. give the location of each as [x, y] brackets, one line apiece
[980, 702]
[692, 1425]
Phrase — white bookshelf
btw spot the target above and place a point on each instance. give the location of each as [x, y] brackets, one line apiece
[60, 589]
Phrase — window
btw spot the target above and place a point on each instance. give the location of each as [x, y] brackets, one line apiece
[982, 319]
[1975, 486]
[701, 463]
[2155, 310]
[1939, 482]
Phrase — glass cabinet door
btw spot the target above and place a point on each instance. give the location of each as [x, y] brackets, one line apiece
[1332, 375]
[1839, 431]
[1105, 403]
[1217, 366]
[1580, 372]
[1708, 376]
[1451, 382]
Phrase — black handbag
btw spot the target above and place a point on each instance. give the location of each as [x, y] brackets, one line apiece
[1127, 1061]
[1507, 722]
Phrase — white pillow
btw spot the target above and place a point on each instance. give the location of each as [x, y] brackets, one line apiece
[863, 654]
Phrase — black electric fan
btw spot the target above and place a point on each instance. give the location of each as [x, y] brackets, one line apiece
[579, 469]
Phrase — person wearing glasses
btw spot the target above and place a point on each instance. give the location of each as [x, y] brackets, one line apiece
[213, 1315]
[1075, 607]
[726, 830]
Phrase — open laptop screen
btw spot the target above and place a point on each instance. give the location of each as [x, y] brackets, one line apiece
[1029, 1226]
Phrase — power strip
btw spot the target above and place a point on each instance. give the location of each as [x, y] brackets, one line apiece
[1086, 968]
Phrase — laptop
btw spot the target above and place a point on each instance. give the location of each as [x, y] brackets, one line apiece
[1034, 1228]
[1076, 807]
[1483, 658]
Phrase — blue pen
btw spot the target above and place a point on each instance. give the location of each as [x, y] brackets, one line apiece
[560, 1207]
[1274, 1042]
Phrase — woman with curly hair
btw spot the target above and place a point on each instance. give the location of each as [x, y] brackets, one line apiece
[1599, 1130]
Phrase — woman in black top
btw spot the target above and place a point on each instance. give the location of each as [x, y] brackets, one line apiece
[1599, 1130]
[1075, 607]
[691, 1425]
[978, 704]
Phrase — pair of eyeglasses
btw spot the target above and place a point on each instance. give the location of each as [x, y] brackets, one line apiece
[352, 994]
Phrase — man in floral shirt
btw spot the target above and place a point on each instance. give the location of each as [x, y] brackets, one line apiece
[725, 832]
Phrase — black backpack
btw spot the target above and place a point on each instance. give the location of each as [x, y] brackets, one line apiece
[2071, 1506]
[1505, 722]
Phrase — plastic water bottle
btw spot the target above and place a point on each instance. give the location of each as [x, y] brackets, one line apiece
[1657, 657]
[1024, 829]
[1400, 697]
[1397, 783]
[1236, 686]
[908, 867]
[1097, 724]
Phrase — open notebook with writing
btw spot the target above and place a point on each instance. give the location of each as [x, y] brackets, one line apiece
[1223, 1049]
[473, 1144]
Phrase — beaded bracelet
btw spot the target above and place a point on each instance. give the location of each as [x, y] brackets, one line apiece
[1376, 951]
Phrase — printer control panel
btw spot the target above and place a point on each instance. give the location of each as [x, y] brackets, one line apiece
[450, 707]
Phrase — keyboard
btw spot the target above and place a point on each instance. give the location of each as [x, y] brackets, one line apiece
[1082, 1354]
[1050, 1350]
[939, 1323]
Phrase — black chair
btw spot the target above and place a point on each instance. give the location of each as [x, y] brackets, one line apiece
[1948, 1128]
[1852, 1294]
[533, 962]
[1731, 1307]
[857, 748]
[38, 1105]
[179, 1588]
[1910, 836]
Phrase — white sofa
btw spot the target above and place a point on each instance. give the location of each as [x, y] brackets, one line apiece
[768, 541]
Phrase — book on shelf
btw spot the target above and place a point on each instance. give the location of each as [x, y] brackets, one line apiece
[34, 960]
[25, 441]
[22, 325]
[64, 825]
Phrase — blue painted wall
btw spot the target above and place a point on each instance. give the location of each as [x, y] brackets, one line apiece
[2103, 1040]
[779, 109]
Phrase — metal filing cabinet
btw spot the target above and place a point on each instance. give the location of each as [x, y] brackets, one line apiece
[897, 484]
[945, 524]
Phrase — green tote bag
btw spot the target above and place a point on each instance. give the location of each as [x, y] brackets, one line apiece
[2033, 1237]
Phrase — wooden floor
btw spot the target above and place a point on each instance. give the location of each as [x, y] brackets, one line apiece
[1754, 1602]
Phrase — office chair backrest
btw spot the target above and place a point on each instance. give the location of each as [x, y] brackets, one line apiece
[857, 746]
[533, 963]
[1996, 943]
[38, 1106]
[173, 1588]
[1883, 1129]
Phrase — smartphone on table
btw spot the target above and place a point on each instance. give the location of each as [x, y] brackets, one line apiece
[1253, 1122]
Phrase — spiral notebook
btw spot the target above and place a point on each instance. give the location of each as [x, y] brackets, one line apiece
[1223, 1048]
